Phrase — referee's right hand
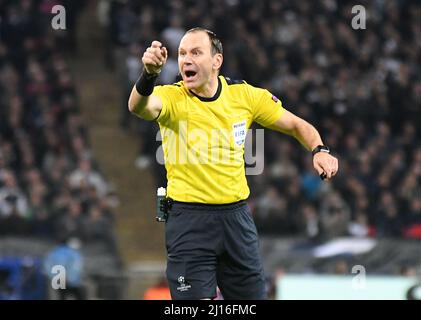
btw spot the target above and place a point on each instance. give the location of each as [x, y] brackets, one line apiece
[154, 57]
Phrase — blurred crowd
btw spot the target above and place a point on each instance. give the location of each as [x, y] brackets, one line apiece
[361, 88]
[50, 184]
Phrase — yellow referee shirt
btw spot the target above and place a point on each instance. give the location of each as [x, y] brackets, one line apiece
[203, 138]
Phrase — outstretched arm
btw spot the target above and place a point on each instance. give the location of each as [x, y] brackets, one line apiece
[309, 137]
[141, 102]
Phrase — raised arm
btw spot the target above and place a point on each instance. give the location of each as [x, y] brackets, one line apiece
[309, 137]
[141, 102]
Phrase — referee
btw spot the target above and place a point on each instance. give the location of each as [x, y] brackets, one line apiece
[211, 238]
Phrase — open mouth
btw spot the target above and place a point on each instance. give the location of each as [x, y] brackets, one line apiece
[190, 74]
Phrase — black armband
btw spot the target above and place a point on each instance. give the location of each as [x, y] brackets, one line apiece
[145, 84]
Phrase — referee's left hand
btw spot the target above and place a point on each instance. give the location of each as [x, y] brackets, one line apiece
[326, 164]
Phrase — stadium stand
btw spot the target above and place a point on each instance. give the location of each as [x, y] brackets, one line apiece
[361, 88]
[51, 188]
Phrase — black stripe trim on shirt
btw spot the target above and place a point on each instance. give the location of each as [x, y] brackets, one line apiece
[231, 81]
[208, 99]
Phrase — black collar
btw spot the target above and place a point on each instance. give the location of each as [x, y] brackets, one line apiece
[208, 99]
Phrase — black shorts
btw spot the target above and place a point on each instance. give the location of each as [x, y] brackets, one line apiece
[210, 246]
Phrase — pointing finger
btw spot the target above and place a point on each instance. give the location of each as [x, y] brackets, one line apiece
[156, 44]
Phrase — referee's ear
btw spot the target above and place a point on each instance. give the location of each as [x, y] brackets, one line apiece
[217, 61]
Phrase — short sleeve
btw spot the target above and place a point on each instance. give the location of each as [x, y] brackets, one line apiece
[267, 108]
[169, 95]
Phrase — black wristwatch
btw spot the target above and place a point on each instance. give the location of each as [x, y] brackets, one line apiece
[320, 148]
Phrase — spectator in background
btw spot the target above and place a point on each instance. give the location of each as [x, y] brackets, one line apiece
[413, 229]
[32, 284]
[85, 176]
[12, 199]
[71, 222]
[390, 220]
[360, 227]
[311, 225]
[98, 228]
[335, 216]
[271, 213]
[67, 255]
